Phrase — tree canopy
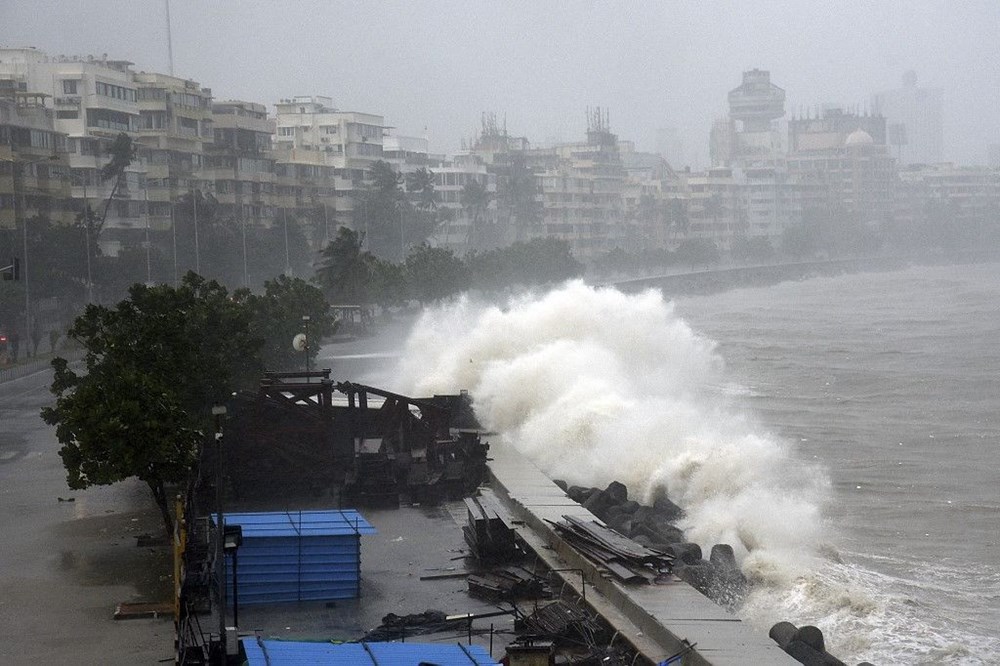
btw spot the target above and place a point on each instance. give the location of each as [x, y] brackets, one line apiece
[435, 273]
[155, 364]
[276, 317]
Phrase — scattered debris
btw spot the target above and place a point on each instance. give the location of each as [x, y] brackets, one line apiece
[507, 584]
[487, 533]
[623, 558]
[136, 610]
[563, 622]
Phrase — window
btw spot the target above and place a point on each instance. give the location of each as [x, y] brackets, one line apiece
[152, 120]
[286, 131]
[69, 86]
[67, 115]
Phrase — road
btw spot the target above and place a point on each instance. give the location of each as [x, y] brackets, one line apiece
[67, 564]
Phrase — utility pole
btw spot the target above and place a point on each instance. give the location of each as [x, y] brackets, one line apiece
[197, 253]
[149, 272]
[86, 237]
[288, 264]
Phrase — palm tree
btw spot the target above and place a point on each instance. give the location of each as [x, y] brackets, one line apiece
[122, 153]
[345, 270]
[421, 183]
[475, 199]
[679, 220]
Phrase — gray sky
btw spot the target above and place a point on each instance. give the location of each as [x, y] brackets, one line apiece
[440, 64]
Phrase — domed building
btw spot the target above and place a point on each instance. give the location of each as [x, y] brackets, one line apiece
[842, 163]
[859, 137]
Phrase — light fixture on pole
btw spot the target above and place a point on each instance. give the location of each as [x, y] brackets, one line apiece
[18, 170]
[232, 539]
[219, 412]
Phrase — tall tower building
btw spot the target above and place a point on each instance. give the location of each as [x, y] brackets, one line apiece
[753, 107]
[918, 111]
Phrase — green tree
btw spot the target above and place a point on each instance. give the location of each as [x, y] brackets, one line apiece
[345, 270]
[122, 152]
[536, 262]
[377, 212]
[276, 317]
[388, 286]
[155, 364]
[420, 184]
[697, 252]
[475, 199]
[798, 241]
[434, 273]
[677, 211]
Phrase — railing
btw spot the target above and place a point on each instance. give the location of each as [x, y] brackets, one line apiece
[35, 365]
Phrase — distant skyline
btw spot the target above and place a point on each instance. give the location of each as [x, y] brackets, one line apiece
[539, 65]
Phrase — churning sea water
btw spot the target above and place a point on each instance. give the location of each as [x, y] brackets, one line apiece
[891, 381]
[842, 434]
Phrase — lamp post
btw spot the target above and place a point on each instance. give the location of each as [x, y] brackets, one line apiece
[18, 170]
[86, 235]
[219, 411]
[197, 252]
[149, 272]
[305, 323]
[288, 264]
[232, 538]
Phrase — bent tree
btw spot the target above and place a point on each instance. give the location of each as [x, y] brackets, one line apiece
[155, 364]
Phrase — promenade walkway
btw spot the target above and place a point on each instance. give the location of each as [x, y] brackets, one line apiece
[659, 620]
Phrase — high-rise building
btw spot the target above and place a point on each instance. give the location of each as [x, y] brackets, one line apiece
[93, 100]
[753, 108]
[841, 164]
[918, 111]
[239, 162]
[175, 126]
[34, 168]
[322, 154]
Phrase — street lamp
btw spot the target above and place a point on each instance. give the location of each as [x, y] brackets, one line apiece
[232, 539]
[284, 219]
[308, 343]
[18, 170]
[219, 412]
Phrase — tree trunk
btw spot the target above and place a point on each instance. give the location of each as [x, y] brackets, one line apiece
[160, 496]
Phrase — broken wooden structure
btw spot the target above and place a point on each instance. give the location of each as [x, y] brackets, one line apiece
[303, 439]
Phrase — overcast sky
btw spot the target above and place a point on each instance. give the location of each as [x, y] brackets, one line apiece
[438, 65]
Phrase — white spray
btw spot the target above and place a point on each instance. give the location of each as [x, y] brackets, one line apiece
[595, 385]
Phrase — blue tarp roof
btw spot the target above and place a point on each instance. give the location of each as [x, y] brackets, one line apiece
[293, 653]
[344, 522]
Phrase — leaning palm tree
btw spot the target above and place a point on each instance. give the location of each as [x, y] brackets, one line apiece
[122, 153]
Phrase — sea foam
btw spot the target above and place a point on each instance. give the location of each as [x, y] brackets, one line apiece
[595, 385]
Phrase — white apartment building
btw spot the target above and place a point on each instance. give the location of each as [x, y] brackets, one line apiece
[94, 99]
[328, 152]
[239, 165]
[175, 125]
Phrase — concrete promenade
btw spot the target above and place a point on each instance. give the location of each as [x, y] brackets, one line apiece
[659, 620]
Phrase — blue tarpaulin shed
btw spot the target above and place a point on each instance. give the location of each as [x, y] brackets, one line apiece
[260, 652]
[297, 556]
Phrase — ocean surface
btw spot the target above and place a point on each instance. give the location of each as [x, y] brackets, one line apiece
[891, 382]
[841, 433]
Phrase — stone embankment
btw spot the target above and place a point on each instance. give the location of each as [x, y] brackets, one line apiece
[718, 578]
